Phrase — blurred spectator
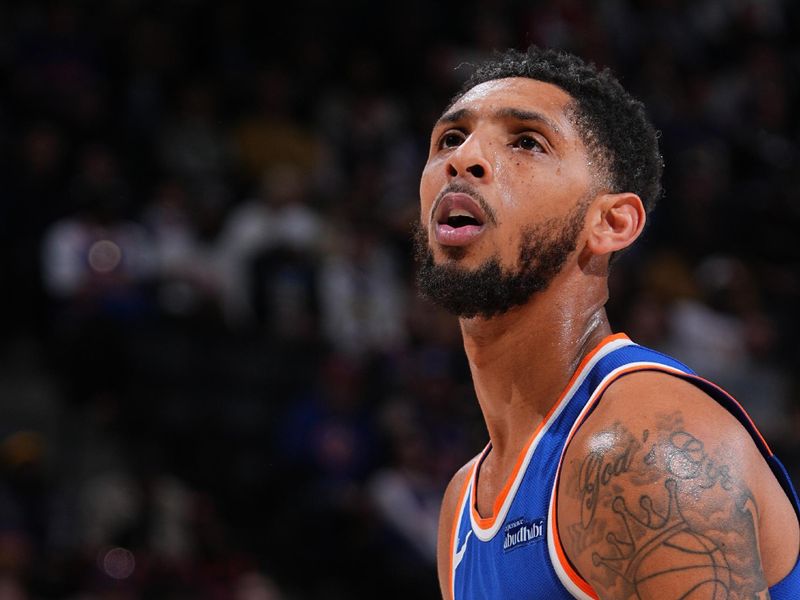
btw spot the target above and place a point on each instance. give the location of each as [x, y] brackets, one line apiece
[96, 258]
[408, 496]
[361, 294]
[96, 267]
[269, 246]
[728, 339]
[184, 230]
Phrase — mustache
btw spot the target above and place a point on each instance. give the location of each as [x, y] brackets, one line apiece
[465, 188]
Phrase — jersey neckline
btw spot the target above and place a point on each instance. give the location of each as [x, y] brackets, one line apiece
[486, 528]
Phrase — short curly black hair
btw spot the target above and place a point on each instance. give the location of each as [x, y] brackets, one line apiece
[612, 123]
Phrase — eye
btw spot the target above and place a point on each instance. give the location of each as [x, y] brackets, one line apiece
[529, 143]
[451, 139]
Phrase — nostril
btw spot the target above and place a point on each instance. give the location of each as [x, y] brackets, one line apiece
[476, 170]
[451, 170]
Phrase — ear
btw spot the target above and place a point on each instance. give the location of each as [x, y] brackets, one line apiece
[614, 222]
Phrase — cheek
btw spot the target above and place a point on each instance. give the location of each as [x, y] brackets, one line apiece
[519, 189]
[513, 188]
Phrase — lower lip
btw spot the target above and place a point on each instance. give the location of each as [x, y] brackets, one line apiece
[457, 236]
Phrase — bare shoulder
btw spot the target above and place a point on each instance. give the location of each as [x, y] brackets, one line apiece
[656, 497]
[447, 515]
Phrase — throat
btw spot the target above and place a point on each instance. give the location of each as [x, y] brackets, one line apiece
[520, 373]
[495, 475]
[489, 484]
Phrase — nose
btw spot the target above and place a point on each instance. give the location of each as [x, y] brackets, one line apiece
[469, 162]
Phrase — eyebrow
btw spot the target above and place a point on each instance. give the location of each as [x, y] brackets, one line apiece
[454, 116]
[517, 114]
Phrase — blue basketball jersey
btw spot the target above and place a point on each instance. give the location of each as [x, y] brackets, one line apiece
[516, 554]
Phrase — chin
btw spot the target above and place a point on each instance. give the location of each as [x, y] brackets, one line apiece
[454, 253]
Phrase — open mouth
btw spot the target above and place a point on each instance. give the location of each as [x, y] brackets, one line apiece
[458, 220]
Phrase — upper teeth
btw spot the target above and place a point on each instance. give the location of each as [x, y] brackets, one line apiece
[459, 212]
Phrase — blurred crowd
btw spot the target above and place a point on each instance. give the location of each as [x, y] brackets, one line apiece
[217, 380]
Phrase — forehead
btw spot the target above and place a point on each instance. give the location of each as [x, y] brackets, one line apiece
[518, 92]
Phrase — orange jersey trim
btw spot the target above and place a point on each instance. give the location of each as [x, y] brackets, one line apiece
[488, 522]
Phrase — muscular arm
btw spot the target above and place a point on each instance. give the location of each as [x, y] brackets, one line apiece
[656, 501]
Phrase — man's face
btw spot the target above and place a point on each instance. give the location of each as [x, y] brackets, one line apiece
[503, 196]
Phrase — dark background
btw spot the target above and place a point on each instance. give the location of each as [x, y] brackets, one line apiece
[216, 378]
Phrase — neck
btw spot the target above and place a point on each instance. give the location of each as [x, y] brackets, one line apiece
[522, 360]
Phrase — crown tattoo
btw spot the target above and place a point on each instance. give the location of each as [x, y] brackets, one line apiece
[643, 534]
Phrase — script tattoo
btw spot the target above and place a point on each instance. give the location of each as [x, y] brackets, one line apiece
[597, 471]
[687, 459]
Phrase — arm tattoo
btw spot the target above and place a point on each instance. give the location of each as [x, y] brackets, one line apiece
[661, 511]
[597, 471]
[687, 459]
[657, 538]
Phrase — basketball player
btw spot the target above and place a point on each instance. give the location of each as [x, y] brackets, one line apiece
[612, 471]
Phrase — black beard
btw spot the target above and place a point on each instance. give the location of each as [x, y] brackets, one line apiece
[489, 290]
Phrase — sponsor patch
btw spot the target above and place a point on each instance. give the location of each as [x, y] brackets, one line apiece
[522, 532]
